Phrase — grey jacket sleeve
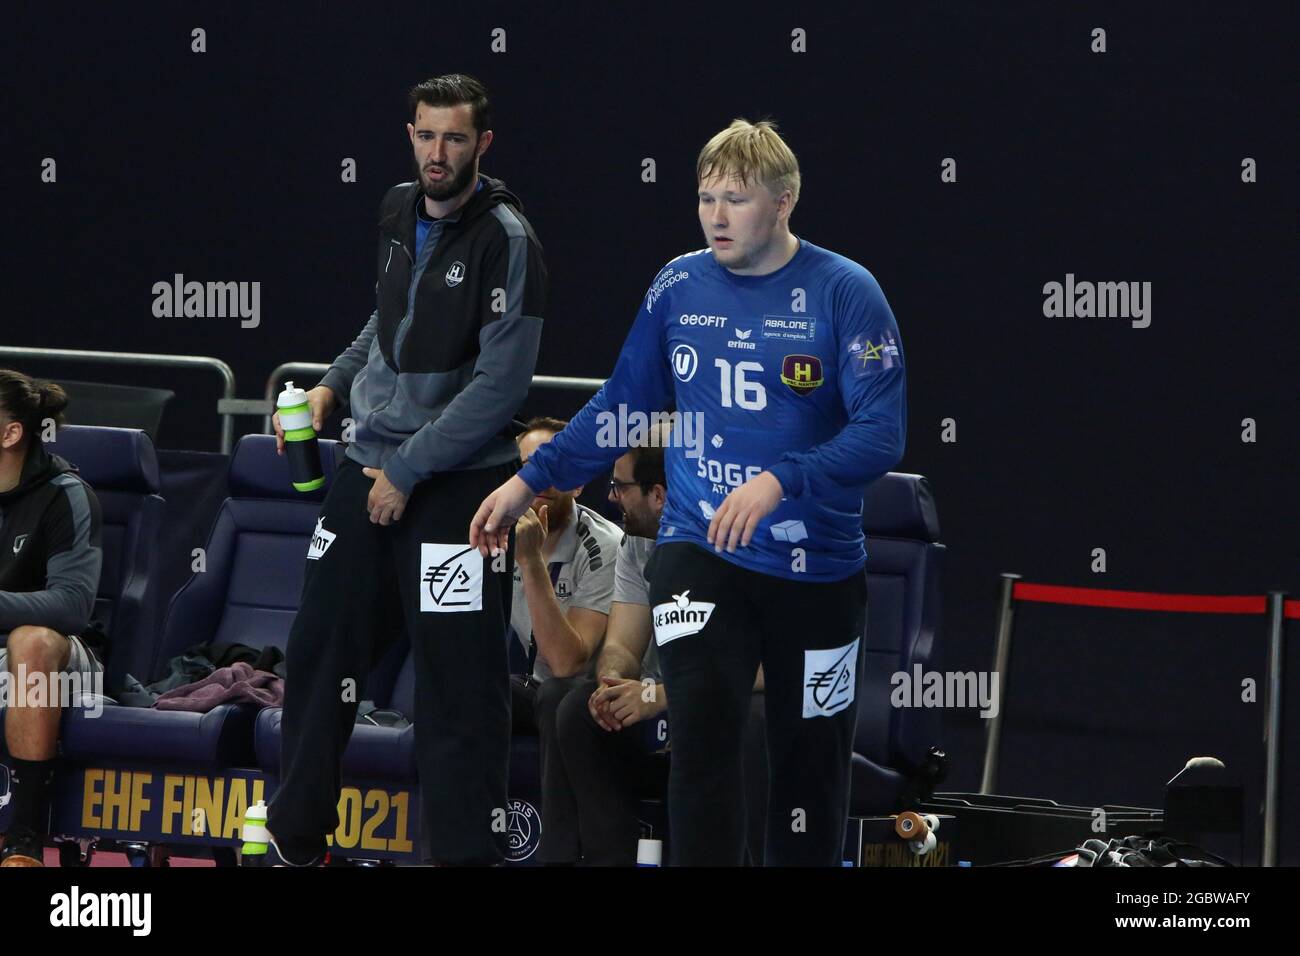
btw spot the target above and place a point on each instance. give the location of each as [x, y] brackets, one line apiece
[72, 567]
[503, 371]
[338, 378]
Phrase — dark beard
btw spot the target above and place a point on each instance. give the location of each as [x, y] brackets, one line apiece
[639, 525]
[448, 188]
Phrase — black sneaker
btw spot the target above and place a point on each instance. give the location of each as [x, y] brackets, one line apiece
[23, 849]
[273, 857]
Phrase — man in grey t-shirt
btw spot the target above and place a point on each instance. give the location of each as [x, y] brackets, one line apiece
[563, 584]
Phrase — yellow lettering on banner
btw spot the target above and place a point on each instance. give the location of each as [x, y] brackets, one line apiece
[378, 799]
[399, 843]
[139, 802]
[187, 800]
[235, 807]
[91, 798]
[170, 805]
[117, 799]
[349, 818]
[208, 798]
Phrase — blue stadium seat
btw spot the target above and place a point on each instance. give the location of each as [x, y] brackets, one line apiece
[248, 593]
[121, 466]
[904, 567]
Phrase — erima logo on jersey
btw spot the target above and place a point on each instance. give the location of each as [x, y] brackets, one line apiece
[829, 678]
[320, 541]
[451, 578]
[19, 542]
[741, 341]
[680, 617]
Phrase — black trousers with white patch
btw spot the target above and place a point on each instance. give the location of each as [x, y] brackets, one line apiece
[373, 582]
[807, 636]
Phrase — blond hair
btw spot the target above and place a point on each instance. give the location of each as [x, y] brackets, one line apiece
[751, 152]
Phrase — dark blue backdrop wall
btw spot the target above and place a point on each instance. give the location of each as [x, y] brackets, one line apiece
[1071, 433]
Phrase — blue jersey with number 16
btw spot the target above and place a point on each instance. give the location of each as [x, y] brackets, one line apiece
[798, 372]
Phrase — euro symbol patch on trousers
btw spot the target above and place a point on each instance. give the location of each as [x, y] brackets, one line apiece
[451, 578]
[829, 680]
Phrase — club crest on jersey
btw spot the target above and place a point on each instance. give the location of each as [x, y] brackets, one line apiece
[802, 373]
[456, 274]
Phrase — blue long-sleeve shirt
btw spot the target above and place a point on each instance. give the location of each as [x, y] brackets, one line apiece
[798, 372]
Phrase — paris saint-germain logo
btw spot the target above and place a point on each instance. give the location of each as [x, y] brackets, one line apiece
[523, 831]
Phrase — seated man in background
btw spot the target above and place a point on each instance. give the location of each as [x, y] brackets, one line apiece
[50, 559]
[563, 583]
[611, 767]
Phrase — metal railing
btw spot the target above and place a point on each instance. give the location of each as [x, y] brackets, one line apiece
[290, 370]
[228, 406]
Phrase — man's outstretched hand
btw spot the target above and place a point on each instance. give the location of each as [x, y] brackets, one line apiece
[489, 531]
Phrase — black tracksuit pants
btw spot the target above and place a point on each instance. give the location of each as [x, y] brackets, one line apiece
[609, 773]
[804, 635]
[372, 582]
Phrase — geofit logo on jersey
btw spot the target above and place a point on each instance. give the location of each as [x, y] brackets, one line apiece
[456, 274]
[829, 678]
[320, 541]
[451, 578]
[802, 373]
[685, 362]
[680, 617]
[523, 831]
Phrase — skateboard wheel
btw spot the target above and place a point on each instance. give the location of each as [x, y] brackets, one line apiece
[909, 826]
[932, 822]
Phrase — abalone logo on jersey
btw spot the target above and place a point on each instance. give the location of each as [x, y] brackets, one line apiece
[685, 362]
[802, 373]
